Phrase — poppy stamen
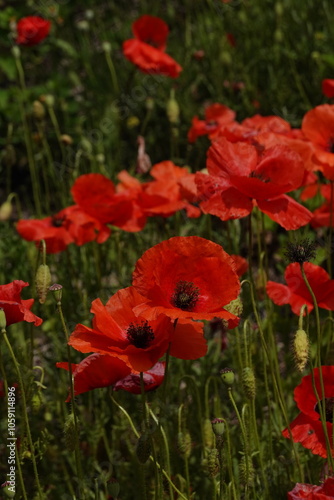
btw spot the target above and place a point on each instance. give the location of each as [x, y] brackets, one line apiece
[329, 409]
[57, 221]
[185, 295]
[141, 336]
[330, 145]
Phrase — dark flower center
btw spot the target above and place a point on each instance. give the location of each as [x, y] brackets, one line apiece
[141, 336]
[301, 252]
[329, 409]
[259, 176]
[330, 145]
[57, 221]
[185, 295]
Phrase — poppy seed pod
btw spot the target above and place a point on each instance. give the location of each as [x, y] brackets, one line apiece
[218, 426]
[227, 376]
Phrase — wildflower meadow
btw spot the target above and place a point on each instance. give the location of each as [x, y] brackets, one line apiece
[166, 222]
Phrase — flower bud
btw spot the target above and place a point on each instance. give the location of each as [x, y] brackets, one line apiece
[114, 487]
[249, 382]
[173, 109]
[208, 435]
[38, 110]
[227, 376]
[300, 349]
[66, 139]
[6, 210]
[43, 280]
[7, 490]
[3, 321]
[184, 444]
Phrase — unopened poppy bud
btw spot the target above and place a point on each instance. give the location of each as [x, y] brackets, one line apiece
[3, 321]
[184, 444]
[57, 290]
[173, 109]
[227, 376]
[114, 487]
[212, 463]
[132, 122]
[69, 432]
[246, 469]
[143, 450]
[300, 349]
[66, 139]
[36, 402]
[43, 280]
[149, 103]
[106, 47]
[38, 110]
[16, 52]
[218, 426]
[278, 36]
[208, 435]
[225, 58]
[6, 210]
[249, 382]
[279, 9]
[49, 100]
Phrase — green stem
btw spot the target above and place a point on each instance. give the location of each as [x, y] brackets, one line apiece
[25, 413]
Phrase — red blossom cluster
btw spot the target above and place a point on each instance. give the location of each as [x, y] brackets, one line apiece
[174, 286]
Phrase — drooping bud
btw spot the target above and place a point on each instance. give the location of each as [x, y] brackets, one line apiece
[143, 449]
[114, 487]
[173, 109]
[184, 444]
[38, 110]
[227, 376]
[3, 321]
[300, 349]
[249, 382]
[208, 434]
[42, 280]
[6, 210]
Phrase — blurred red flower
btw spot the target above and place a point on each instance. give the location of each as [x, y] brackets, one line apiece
[119, 332]
[97, 196]
[296, 293]
[311, 492]
[216, 116]
[70, 225]
[327, 87]
[187, 277]
[15, 308]
[306, 428]
[241, 178]
[32, 30]
[318, 127]
[322, 216]
[241, 265]
[147, 49]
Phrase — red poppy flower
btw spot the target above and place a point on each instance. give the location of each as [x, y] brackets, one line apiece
[96, 371]
[15, 308]
[322, 216]
[306, 428]
[187, 277]
[216, 115]
[318, 127]
[169, 192]
[241, 265]
[119, 332]
[240, 178]
[97, 196]
[296, 293]
[70, 225]
[32, 30]
[152, 379]
[146, 50]
[309, 491]
[327, 87]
